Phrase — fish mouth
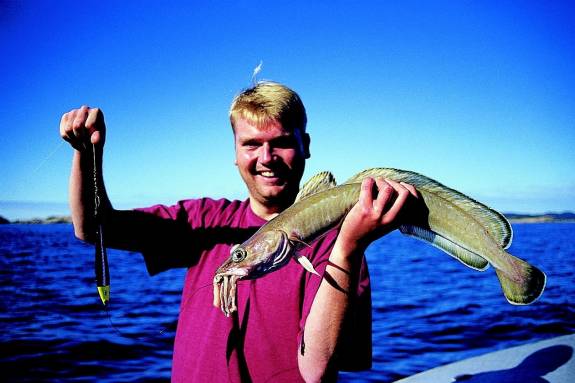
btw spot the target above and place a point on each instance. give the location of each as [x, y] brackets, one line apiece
[225, 288]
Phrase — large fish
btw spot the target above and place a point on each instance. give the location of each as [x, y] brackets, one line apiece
[462, 227]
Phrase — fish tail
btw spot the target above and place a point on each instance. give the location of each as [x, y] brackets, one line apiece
[526, 287]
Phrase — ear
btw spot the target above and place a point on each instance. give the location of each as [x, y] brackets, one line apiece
[306, 142]
[235, 150]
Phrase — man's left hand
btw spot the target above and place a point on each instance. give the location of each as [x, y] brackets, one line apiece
[373, 217]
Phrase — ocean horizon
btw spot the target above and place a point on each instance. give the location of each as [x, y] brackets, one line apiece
[27, 210]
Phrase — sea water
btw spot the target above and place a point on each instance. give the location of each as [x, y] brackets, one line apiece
[428, 309]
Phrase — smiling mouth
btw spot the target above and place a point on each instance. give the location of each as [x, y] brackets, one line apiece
[271, 177]
[268, 174]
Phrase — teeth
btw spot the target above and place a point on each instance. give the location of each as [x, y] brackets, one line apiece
[268, 174]
[224, 300]
[217, 297]
[225, 290]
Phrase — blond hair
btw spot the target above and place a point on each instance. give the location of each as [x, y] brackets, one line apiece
[266, 102]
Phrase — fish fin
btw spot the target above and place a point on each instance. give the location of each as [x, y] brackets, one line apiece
[320, 182]
[299, 241]
[527, 287]
[306, 264]
[494, 222]
[463, 255]
[373, 172]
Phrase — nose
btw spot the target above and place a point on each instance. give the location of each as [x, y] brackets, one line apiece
[266, 153]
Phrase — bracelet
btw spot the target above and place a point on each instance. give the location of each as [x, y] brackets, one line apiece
[338, 267]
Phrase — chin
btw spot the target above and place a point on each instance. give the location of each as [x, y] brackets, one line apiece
[279, 196]
[272, 197]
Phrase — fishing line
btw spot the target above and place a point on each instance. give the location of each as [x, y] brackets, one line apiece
[23, 180]
[48, 157]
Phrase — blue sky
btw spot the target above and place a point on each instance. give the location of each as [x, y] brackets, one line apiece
[477, 95]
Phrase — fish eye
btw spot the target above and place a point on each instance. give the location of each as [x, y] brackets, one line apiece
[234, 247]
[239, 255]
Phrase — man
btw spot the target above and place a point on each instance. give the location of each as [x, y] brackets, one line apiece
[290, 325]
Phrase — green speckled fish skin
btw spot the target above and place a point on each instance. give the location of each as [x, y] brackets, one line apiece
[317, 213]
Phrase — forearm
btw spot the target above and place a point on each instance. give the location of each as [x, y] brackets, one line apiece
[328, 312]
[84, 129]
[81, 193]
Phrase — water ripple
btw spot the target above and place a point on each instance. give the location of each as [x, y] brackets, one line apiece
[428, 309]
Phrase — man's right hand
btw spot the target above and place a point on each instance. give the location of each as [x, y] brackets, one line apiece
[82, 127]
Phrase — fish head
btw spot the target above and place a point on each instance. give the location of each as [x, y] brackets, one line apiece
[261, 254]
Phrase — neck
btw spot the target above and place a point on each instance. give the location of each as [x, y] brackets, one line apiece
[268, 211]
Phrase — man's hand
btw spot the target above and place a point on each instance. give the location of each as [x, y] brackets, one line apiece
[82, 127]
[372, 218]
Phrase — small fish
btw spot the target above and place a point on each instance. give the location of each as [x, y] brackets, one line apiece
[466, 229]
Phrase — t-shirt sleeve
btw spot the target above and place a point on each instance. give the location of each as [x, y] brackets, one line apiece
[354, 351]
[168, 237]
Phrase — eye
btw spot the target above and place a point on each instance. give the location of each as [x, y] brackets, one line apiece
[285, 142]
[239, 255]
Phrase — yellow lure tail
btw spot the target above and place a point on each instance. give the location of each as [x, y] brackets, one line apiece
[104, 292]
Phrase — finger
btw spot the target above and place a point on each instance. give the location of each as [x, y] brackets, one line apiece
[91, 119]
[365, 196]
[217, 298]
[66, 131]
[385, 193]
[95, 124]
[395, 185]
[72, 142]
[79, 123]
[64, 124]
[411, 189]
[402, 194]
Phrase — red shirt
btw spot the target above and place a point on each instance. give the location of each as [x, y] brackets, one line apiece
[261, 342]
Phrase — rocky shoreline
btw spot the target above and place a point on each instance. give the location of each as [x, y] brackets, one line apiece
[39, 221]
[539, 218]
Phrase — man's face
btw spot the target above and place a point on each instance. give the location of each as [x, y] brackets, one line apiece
[271, 162]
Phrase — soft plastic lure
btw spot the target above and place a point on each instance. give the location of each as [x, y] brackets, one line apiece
[101, 257]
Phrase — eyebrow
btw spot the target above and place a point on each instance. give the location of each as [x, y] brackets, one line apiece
[275, 140]
[249, 141]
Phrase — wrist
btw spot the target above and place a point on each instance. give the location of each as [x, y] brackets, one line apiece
[345, 252]
[351, 244]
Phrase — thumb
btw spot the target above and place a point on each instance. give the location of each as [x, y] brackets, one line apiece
[96, 138]
[96, 126]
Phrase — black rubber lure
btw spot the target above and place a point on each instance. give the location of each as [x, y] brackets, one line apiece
[101, 257]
